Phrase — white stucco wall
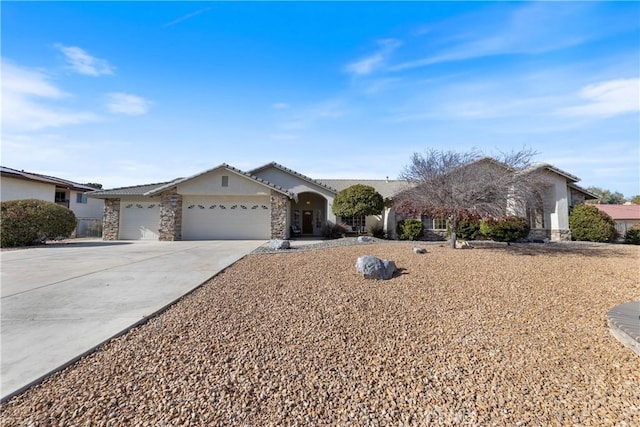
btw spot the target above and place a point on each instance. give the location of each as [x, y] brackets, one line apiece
[298, 185]
[556, 199]
[211, 184]
[20, 189]
[94, 208]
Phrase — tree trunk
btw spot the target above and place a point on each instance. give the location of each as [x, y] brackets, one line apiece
[454, 229]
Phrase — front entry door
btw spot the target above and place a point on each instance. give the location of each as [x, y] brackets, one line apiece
[307, 222]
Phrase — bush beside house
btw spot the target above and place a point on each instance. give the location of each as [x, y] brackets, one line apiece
[633, 235]
[508, 229]
[410, 229]
[588, 223]
[467, 229]
[333, 231]
[29, 222]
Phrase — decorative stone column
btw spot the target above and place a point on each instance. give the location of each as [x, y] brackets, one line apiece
[278, 215]
[170, 216]
[111, 219]
[560, 235]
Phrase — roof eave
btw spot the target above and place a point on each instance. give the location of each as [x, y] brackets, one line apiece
[294, 173]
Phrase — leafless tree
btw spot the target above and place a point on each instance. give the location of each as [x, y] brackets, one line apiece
[464, 185]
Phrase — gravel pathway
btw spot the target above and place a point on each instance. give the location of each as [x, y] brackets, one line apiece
[505, 335]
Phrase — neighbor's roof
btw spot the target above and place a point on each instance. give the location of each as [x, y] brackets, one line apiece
[30, 176]
[386, 188]
[620, 212]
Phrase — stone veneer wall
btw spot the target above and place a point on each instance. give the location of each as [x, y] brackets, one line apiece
[111, 219]
[278, 215]
[560, 235]
[170, 216]
[539, 234]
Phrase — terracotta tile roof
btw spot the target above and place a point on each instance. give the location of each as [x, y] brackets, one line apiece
[620, 212]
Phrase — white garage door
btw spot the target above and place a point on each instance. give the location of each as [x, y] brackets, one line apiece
[226, 217]
[139, 220]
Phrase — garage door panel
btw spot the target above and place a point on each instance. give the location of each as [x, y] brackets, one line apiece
[226, 218]
[139, 221]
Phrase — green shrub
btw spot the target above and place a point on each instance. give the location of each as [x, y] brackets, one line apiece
[333, 231]
[410, 229]
[590, 224]
[509, 229]
[377, 231]
[633, 235]
[466, 230]
[29, 222]
[357, 200]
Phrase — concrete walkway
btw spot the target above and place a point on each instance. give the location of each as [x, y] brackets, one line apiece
[624, 322]
[59, 302]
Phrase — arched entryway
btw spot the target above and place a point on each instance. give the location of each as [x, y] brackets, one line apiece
[309, 213]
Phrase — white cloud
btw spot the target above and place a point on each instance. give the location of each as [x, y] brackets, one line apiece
[607, 99]
[188, 16]
[81, 62]
[26, 95]
[373, 62]
[308, 116]
[125, 103]
[280, 106]
[500, 31]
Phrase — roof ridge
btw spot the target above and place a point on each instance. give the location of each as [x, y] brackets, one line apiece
[222, 165]
[295, 173]
[138, 185]
[264, 181]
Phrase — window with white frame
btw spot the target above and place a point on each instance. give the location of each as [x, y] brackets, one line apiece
[225, 181]
[355, 222]
[81, 198]
[439, 223]
[434, 223]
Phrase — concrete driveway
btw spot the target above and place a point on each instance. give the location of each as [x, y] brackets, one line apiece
[61, 301]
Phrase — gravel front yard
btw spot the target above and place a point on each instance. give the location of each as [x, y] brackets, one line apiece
[511, 335]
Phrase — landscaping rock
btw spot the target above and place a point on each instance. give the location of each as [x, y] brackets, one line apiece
[419, 250]
[279, 244]
[364, 239]
[375, 268]
[297, 339]
[463, 245]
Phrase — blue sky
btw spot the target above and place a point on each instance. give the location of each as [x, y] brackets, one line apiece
[129, 93]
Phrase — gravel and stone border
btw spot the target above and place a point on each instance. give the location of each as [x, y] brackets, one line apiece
[504, 335]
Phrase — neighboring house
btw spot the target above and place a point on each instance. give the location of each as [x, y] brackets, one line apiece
[264, 203]
[21, 185]
[625, 216]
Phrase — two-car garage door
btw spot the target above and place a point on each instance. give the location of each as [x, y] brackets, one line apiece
[226, 217]
[203, 218]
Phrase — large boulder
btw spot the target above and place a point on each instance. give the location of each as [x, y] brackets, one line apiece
[279, 244]
[375, 268]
